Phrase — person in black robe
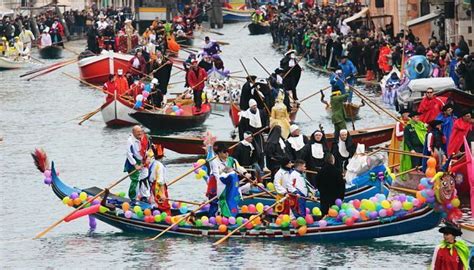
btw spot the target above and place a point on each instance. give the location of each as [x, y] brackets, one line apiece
[253, 120]
[292, 70]
[314, 152]
[275, 149]
[295, 143]
[248, 154]
[246, 93]
[343, 149]
[161, 69]
[92, 44]
[330, 183]
[206, 62]
[263, 95]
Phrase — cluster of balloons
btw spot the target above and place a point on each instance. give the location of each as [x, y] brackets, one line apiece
[76, 199]
[200, 170]
[177, 110]
[258, 208]
[183, 207]
[47, 177]
[140, 99]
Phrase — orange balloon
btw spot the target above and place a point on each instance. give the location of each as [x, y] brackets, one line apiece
[257, 221]
[222, 228]
[219, 220]
[430, 172]
[278, 221]
[332, 213]
[125, 206]
[70, 203]
[244, 209]
[302, 230]
[431, 163]
[147, 212]
[77, 201]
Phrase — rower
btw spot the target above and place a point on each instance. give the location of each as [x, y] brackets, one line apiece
[292, 70]
[211, 47]
[45, 38]
[397, 137]
[435, 144]
[157, 178]
[314, 152]
[121, 83]
[110, 87]
[430, 106]
[448, 118]
[280, 181]
[330, 184]
[252, 120]
[343, 149]
[413, 140]
[461, 128]
[295, 143]
[195, 78]
[162, 71]
[248, 155]
[298, 186]
[349, 72]
[337, 110]
[247, 92]
[27, 37]
[137, 145]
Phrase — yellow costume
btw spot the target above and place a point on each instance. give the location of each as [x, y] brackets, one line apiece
[397, 142]
[280, 116]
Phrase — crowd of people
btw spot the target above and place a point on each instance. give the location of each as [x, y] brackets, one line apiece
[323, 36]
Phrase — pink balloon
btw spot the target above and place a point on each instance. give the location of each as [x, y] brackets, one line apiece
[231, 220]
[225, 221]
[322, 223]
[252, 208]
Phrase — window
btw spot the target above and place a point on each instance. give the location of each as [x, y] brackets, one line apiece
[24, 3]
[424, 7]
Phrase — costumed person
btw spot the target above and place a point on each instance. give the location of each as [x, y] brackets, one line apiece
[157, 97]
[211, 47]
[157, 178]
[280, 181]
[314, 153]
[196, 77]
[384, 58]
[275, 149]
[138, 64]
[206, 62]
[292, 70]
[57, 32]
[279, 116]
[448, 118]
[343, 149]
[298, 185]
[253, 120]
[92, 40]
[430, 106]
[121, 83]
[247, 92]
[330, 184]
[19, 48]
[450, 254]
[461, 129]
[136, 88]
[101, 23]
[45, 39]
[27, 37]
[349, 72]
[413, 141]
[338, 116]
[215, 187]
[161, 69]
[3, 46]
[110, 87]
[295, 143]
[357, 164]
[247, 154]
[337, 81]
[137, 145]
[129, 31]
[397, 137]
[435, 144]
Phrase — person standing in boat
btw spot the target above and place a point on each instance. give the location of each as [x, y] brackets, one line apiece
[314, 152]
[196, 77]
[138, 64]
[281, 180]
[413, 140]
[161, 69]
[295, 143]
[253, 120]
[338, 116]
[461, 129]
[435, 144]
[343, 149]
[349, 71]
[211, 47]
[275, 149]
[448, 118]
[137, 145]
[57, 31]
[248, 155]
[430, 106]
[298, 186]
[121, 83]
[330, 183]
[292, 72]
[27, 37]
[206, 62]
[397, 137]
[247, 92]
[450, 254]
[279, 116]
[157, 178]
[45, 39]
[110, 87]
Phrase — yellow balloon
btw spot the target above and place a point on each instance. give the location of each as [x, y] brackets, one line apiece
[286, 218]
[83, 196]
[201, 161]
[271, 186]
[259, 207]
[455, 202]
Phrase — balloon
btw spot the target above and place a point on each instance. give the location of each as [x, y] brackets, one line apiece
[179, 112]
[70, 202]
[103, 209]
[168, 219]
[309, 219]
[232, 220]
[77, 201]
[156, 213]
[218, 220]
[407, 206]
[285, 224]
[138, 104]
[271, 186]
[431, 163]
[356, 203]
[349, 222]
[198, 223]
[212, 220]
[239, 220]
[74, 195]
[389, 212]
[338, 202]
[316, 211]
[383, 213]
[121, 194]
[294, 223]
[48, 181]
[145, 94]
[385, 204]
[92, 222]
[455, 202]
[175, 205]
[147, 212]
[430, 172]
[286, 218]
[66, 200]
[301, 221]
[244, 209]
[204, 218]
[252, 208]
[158, 218]
[164, 215]
[139, 213]
[128, 214]
[332, 213]
[136, 208]
[139, 97]
[47, 173]
[259, 207]
[183, 209]
[225, 221]
[396, 205]
[302, 230]
[201, 161]
[322, 223]
[335, 207]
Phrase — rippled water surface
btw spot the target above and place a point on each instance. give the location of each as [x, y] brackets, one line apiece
[38, 113]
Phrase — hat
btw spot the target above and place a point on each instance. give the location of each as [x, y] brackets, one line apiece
[293, 128]
[404, 110]
[154, 81]
[252, 102]
[261, 81]
[120, 71]
[247, 134]
[447, 106]
[220, 148]
[414, 113]
[279, 70]
[206, 38]
[290, 52]
[450, 229]
[251, 78]
[284, 161]
[434, 123]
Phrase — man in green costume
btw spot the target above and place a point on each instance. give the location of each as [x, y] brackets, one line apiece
[413, 140]
[338, 117]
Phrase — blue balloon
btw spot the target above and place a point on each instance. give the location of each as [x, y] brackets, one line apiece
[175, 108]
[147, 87]
[138, 104]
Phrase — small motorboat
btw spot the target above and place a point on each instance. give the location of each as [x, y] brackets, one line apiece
[51, 52]
[259, 28]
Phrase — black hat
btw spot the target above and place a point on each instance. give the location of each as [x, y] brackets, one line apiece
[404, 110]
[279, 70]
[284, 161]
[434, 123]
[206, 38]
[447, 106]
[414, 113]
[466, 111]
[251, 78]
[220, 148]
[450, 229]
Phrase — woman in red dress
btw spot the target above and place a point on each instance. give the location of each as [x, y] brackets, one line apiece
[451, 254]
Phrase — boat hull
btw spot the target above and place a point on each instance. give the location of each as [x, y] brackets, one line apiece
[258, 29]
[351, 111]
[116, 113]
[195, 146]
[6, 64]
[51, 52]
[96, 69]
[234, 16]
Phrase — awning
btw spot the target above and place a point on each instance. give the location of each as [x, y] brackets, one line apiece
[356, 16]
[5, 11]
[426, 18]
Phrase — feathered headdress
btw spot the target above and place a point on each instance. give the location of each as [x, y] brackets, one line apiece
[41, 160]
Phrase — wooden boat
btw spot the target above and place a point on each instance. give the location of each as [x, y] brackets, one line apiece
[7, 63]
[159, 121]
[195, 145]
[96, 69]
[420, 219]
[351, 110]
[235, 110]
[231, 15]
[185, 40]
[259, 29]
[467, 231]
[51, 52]
[116, 112]
[462, 100]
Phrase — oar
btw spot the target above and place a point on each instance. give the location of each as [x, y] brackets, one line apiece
[297, 62]
[183, 201]
[183, 218]
[408, 171]
[41, 234]
[250, 220]
[89, 115]
[314, 94]
[37, 60]
[47, 67]
[50, 69]
[405, 190]
[176, 82]
[253, 82]
[401, 152]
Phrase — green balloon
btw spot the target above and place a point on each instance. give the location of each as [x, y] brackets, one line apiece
[239, 220]
[122, 194]
[285, 224]
[198, 223]
[158, 218]
[163, 215]
[139, 213]
[344, 206]
[301, 221]
[335, 207]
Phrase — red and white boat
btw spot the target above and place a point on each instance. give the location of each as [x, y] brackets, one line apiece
[115, 112]
[96, 69]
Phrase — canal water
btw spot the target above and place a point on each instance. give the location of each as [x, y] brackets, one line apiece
[41, 112]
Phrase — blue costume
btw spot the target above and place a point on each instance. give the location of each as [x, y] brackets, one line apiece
[348, 71]
[452, 71]
[229, 198]
[337, 83]
[447, 126]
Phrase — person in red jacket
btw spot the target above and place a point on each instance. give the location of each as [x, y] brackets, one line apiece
[461, 128]
[121, 83]
[138, 64]
[196, 77]
[430, 106]
[110, 87]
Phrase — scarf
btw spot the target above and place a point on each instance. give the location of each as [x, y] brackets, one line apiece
[282, 144]
[248, 144]
[461, 248]
[420, 129]
[342, 148]
[296, 142]
[317, 150]
[254, 118]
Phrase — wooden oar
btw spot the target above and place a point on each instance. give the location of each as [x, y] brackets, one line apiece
[314, 94]
[250, 220]
[183, 218]
[183, 201]
[89, 115]
[37, 60]
[253, 82]
[407, 171]
[48, 70]
[47, 67]
[41, 234]
[401, 152]
[405, 190]
[177, 72]
[297, 62]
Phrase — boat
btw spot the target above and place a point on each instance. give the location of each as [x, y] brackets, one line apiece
[160, 121]
[7, 63]
[467, 231]
[231, 15]
[259, 29]
[51, 52]
[351, 110]
[418, 219]
[116, 112]
[195, 145]
[235, 110]
[96, 69]
[462, 100]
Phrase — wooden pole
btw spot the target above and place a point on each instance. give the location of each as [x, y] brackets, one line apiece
[314, 94]
[405, 190]
[258, 93]
[408, 171]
